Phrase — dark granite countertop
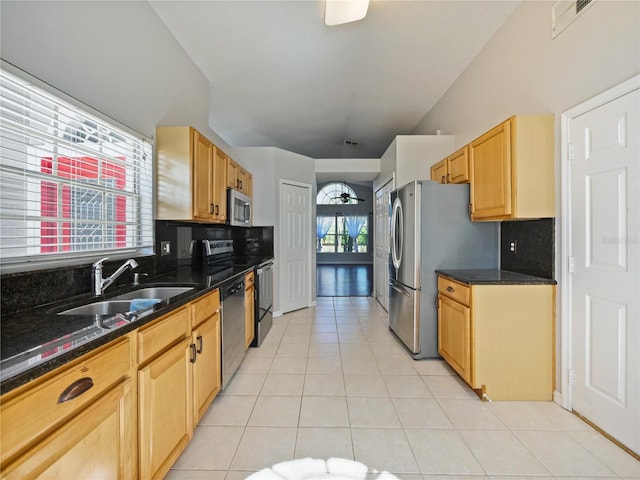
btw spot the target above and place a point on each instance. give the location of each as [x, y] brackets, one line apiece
[494, 277]
[38, 340]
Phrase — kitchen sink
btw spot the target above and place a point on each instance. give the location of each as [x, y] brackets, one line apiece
[109, 307]
[140, 299]
[161, 293]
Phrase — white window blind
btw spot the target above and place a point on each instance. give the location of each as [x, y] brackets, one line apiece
[71, 183]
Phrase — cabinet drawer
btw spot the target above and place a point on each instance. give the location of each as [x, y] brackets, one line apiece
[452, 289]
[206, 306]
[34, 412]
[163, 333]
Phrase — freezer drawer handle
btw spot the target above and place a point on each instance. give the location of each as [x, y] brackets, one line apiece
[399, 291]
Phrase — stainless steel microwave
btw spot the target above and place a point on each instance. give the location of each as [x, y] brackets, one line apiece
[238, 208]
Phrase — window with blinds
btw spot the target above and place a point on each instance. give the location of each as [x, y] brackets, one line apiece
[71, 183]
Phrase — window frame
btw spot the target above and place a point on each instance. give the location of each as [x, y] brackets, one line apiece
[337, 235]
[138, 154]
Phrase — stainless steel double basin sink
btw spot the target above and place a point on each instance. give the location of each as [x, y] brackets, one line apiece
[136, 300]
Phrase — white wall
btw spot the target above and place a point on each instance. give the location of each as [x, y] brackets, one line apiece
[261, 162]
[117, 57]
[409, 157]
[522, 70]
[347, 169]
[270, 165]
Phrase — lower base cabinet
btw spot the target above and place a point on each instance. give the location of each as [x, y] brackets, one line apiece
[164, 410]
[500, 339]
[95, 444]
[132, 408]
[206, 369]
[454, 336]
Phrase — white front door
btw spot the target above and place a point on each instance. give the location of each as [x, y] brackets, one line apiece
[382, 243]
[604, 217]
[295, 251]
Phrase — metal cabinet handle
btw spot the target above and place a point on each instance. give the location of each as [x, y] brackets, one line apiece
[217, 210]
[448, 177]
[211, 208]
[194, 352]
[443, 180]
[76, 389]
[240, 183]
[200, 344]
[449, 289]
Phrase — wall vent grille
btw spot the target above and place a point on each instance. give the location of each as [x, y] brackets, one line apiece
[564, 12]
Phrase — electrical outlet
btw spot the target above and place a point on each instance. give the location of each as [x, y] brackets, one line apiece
[513, 246]
[165, 248]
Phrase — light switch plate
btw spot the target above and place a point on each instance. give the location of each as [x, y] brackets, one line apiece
[165, 248]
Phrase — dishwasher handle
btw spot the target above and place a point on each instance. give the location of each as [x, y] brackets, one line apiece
[232, 289]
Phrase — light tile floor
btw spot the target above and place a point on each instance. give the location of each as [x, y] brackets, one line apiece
[332, 381]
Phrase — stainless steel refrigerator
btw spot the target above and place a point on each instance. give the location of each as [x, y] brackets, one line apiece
[431, 229]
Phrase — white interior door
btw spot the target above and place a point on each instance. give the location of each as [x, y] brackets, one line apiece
[295, 252]
[604, 217]
[382, 243]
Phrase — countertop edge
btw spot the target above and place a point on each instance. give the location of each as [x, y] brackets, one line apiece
[494, 277]
[9, 384]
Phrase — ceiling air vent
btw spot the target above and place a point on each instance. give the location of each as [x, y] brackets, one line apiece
[350, 143]
[564, 12]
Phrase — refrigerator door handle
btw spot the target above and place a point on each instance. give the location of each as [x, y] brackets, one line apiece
[397, 229]
[406, 294]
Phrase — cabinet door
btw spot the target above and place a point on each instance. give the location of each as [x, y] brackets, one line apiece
[97, 443]
[202, 177]
[219, 186]
[164, 410]
[249, 188]
[206, 368]
[250, 327]
[490, 158]
[458, 166]
[232, 173]
[439, 172]
[243, 180]
[454, 335]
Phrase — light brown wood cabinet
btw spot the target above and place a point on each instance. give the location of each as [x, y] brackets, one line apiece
[206, 337]
[499, 338]
[165, 407]
[238, 178]
[190, 176]
[512, 170]
[439, 171]
[133, 407]
[249, 307]
[454, 335]
[453, 169]
[76, 422]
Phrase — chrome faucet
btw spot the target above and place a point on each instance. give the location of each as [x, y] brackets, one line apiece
[101, 284]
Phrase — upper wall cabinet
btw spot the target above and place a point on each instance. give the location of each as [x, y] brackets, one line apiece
[453, 169]
[190, 177]
[238, 178]
[512, 170]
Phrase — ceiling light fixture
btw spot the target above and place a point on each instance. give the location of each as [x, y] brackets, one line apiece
[338, 12]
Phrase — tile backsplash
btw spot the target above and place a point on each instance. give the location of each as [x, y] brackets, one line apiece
[534, 245]
[20, 291]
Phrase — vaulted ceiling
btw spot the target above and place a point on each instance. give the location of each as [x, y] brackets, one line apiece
[280, 77]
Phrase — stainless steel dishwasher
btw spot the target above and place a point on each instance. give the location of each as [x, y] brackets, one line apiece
[233, 328]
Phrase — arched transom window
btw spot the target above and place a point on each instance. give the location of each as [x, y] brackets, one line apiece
[331, 194]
